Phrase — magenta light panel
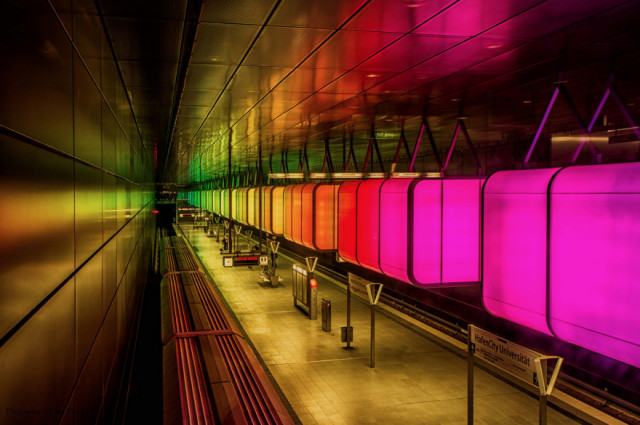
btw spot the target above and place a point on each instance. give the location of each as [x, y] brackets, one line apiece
[445, 231]
[394, 212]
[515, 246]
[594, 268]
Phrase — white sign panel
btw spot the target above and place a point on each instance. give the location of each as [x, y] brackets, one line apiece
[508, 356]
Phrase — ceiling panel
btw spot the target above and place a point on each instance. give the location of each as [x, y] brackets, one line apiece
[237, 11]
[313, 68]
[285, 46]
[222, 44]
[315, 13]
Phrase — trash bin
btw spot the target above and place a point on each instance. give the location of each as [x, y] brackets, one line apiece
[326, 315]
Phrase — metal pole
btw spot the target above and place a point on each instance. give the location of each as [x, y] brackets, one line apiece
[230, 195]
[469, 385]
[373, 335]
[543, 410]
[260, 192]
[348, 314]
[543, 397]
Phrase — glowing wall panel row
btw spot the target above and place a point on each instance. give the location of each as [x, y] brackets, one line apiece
[419, 231]
[560, 254]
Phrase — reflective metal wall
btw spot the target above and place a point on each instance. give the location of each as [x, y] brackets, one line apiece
[75, 215]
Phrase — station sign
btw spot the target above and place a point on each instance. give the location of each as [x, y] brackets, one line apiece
[244, 260]
[508, 356]
[365, 289]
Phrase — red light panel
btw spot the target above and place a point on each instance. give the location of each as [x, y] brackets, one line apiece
[368, 224]
[347, 195]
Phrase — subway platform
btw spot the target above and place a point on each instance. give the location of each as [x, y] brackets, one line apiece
[416, 380]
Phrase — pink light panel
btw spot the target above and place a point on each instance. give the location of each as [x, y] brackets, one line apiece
[368, 224]
[594, 269]
[445, 231]
[325, 233]
[515, 246]
[347, 196]
[394, 212]
[277, 210]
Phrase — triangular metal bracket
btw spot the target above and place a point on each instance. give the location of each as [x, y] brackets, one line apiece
[238, 228]
[311, 263]
[374, 290]
[248, 233]
[275, 245]
[541, 368]
[460, 126]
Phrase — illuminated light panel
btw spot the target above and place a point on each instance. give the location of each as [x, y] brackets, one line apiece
[259, 204]
[234, 204]
[277, 210]
[461, 230]
[266, 208]
[288, 200]
[445, 231]
[515, 246]
[394, 212]
[347, 196]
[251, 206]
[307, 213]
[325, 233]
[242, 205]
[367, 224]
[594, 292]
[224, 200]
[216, 201]
[296, 213]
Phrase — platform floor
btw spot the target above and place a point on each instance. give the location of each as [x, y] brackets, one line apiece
[415, 381]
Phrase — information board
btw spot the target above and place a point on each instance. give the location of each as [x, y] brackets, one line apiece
[358, 286]
[508, 356]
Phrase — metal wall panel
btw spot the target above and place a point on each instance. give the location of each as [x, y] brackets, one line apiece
[88, 308]
[37, 364]
[37, 91]
[63, 327]
[36, 246]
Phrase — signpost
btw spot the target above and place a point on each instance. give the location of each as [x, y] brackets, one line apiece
[238, 229]
[519, 361]
[371, 292]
